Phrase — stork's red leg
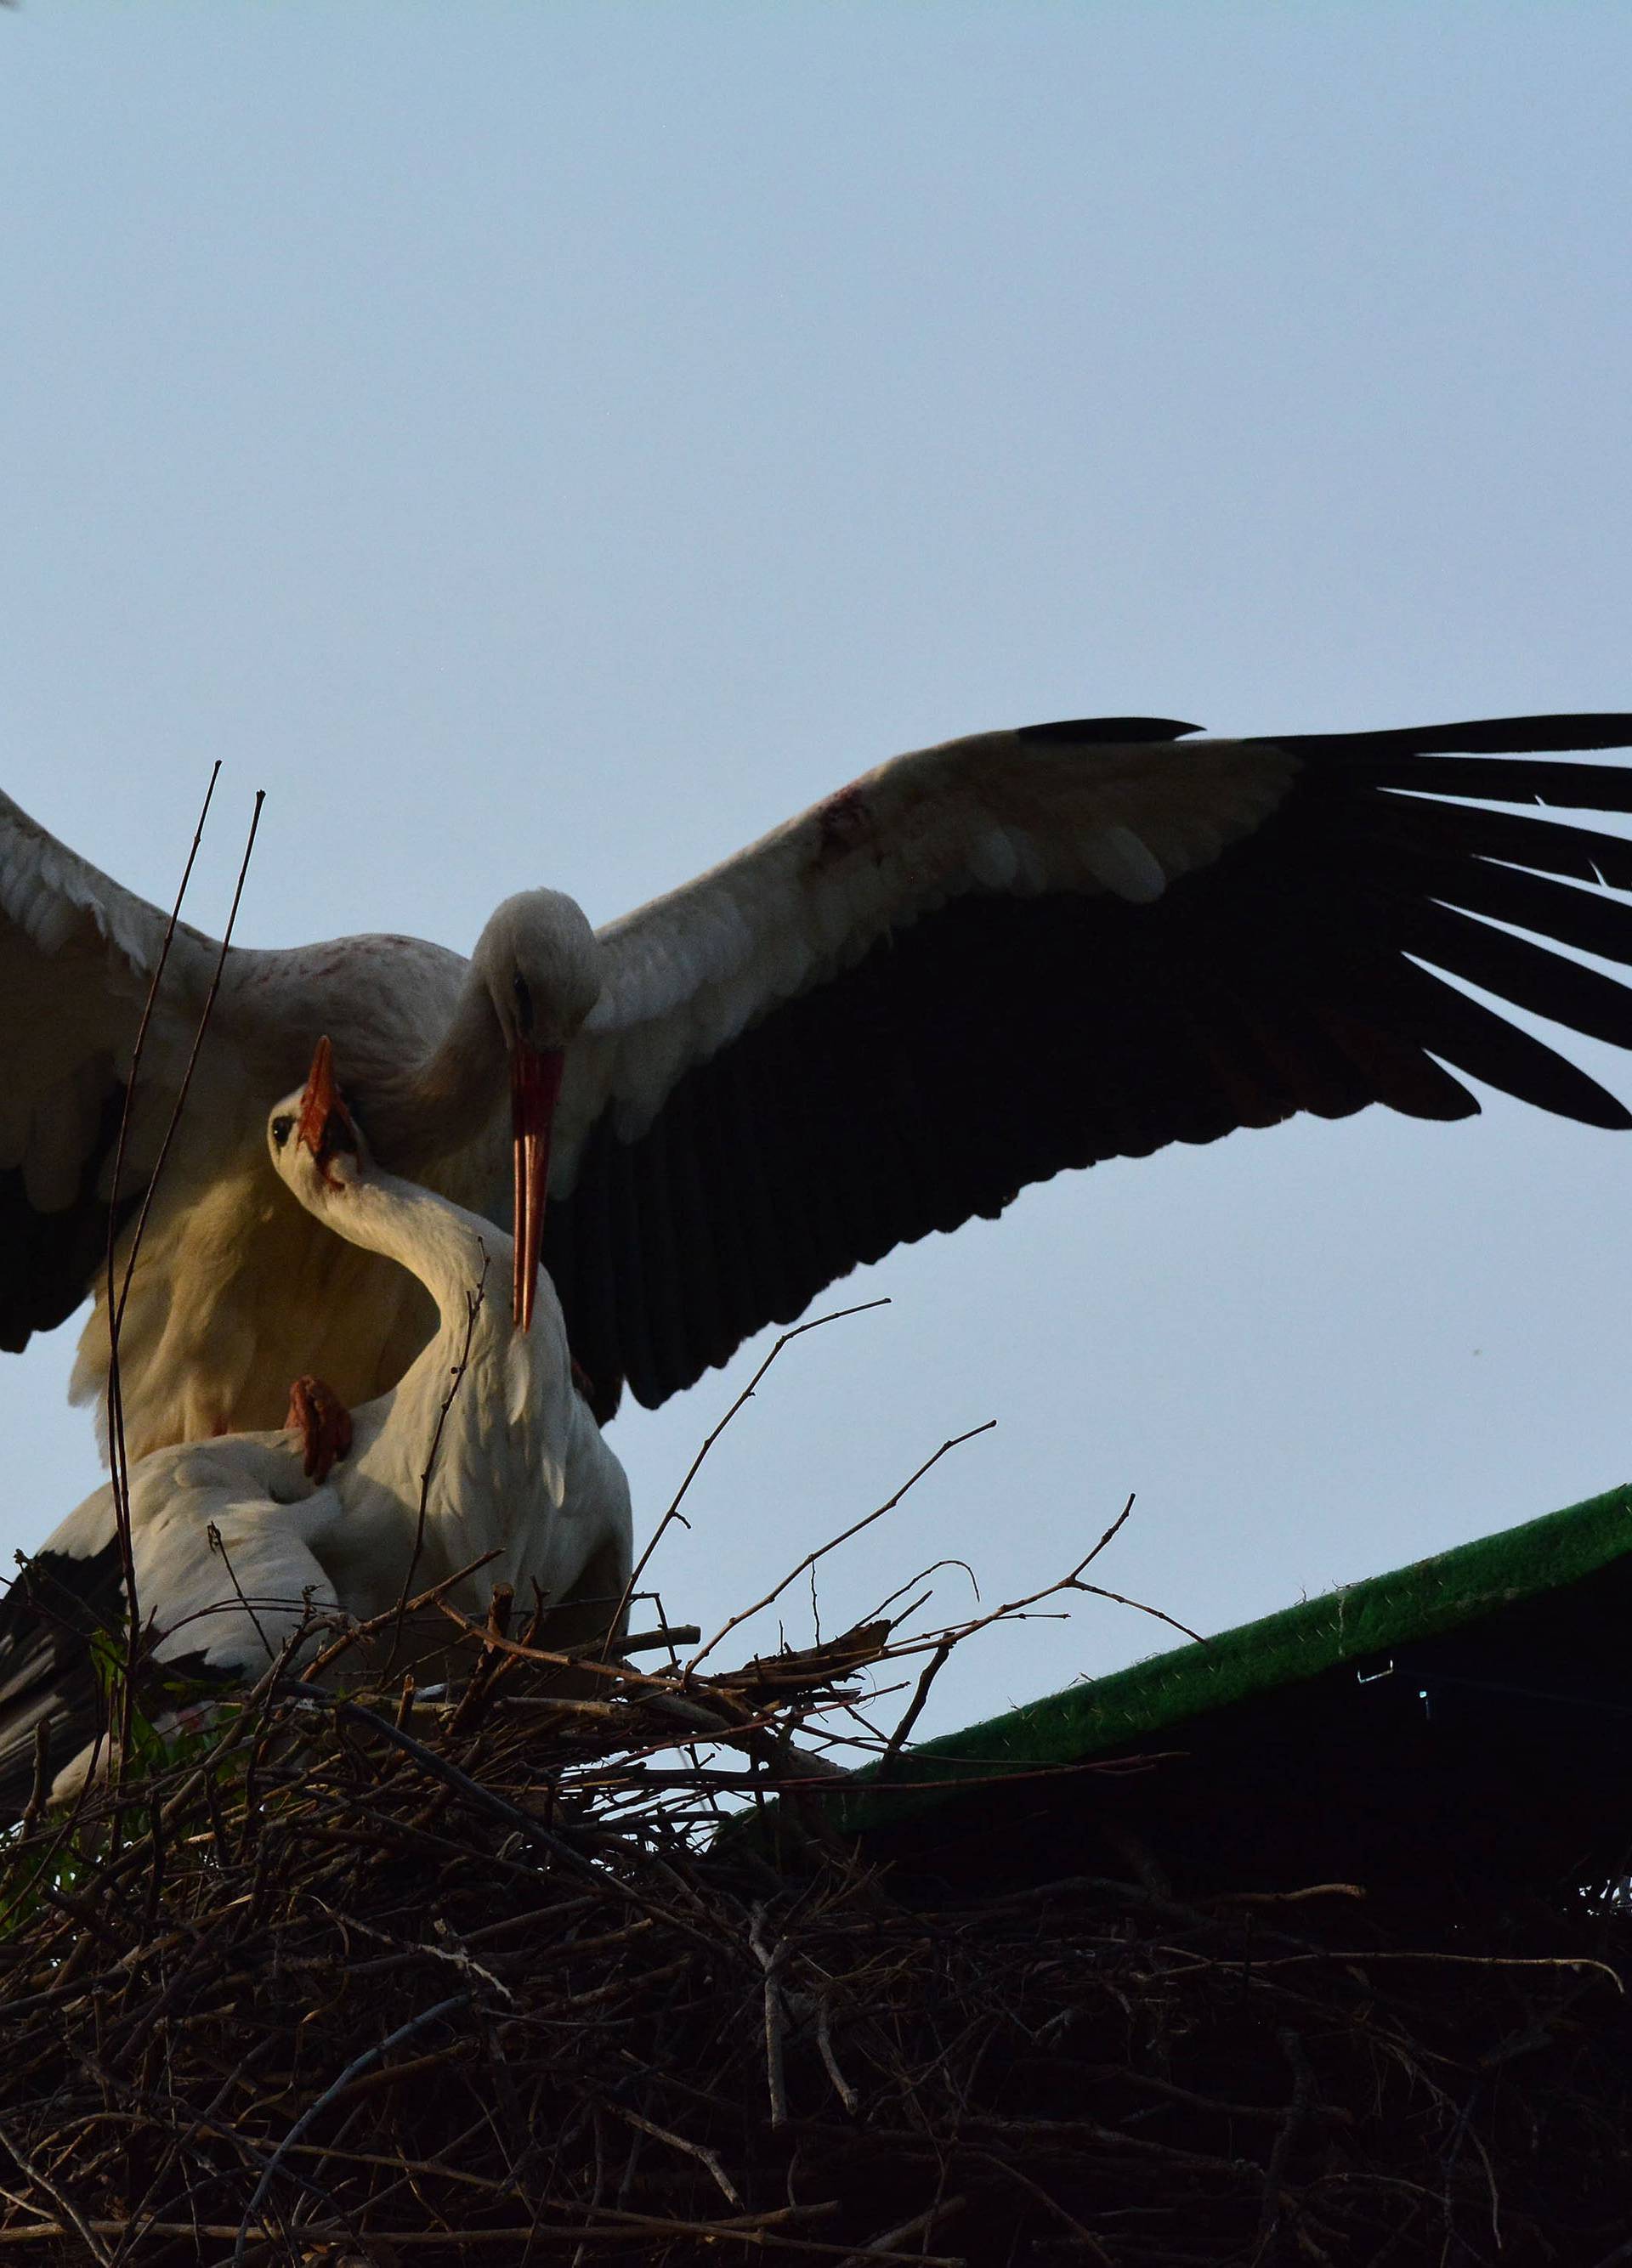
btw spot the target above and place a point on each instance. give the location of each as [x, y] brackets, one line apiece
[323, 1421]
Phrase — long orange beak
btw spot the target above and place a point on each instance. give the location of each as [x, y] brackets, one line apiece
[324, 1123]
[320, 1101]
[534, 1083]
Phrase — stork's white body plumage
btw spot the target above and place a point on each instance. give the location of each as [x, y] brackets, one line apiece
[974, 967]
[234, 1545]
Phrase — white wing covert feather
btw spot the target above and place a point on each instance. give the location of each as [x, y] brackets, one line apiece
[1002, 812]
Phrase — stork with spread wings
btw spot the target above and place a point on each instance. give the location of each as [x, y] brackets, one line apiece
[974, 967]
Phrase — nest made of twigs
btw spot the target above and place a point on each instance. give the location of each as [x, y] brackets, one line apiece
[371, 1984]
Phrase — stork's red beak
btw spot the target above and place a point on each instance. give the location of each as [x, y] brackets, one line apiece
[318, 1100]
[534, 1083]
[324, 1123]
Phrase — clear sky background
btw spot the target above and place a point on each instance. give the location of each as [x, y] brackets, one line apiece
[554, 443]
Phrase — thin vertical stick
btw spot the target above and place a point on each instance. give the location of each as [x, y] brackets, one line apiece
[192, 1060]
[118, 1467]
[122, 1487]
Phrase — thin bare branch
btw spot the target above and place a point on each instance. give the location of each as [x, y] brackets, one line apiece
[832, 1544]
[786, 1339]
[354, 2071]
[134, 1610]
[118, 1465]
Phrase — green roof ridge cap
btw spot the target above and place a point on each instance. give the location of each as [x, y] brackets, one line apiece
[1346, 1625]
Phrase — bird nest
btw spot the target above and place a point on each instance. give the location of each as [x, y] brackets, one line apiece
[367, 1980]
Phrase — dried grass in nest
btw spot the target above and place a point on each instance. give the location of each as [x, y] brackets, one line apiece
[471, 1986]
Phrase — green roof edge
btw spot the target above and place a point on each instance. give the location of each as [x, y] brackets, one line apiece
[1349, 1624]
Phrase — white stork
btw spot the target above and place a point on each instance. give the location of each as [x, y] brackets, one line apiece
[975, 965]
[520, 1473]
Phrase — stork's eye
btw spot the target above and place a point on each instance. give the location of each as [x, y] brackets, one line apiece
[523, 1000]
[282, 1129]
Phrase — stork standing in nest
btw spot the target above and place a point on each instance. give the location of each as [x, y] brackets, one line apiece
[972, 968]
[237, 1541]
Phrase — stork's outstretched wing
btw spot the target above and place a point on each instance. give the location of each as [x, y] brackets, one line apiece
[77, 958]
[1026, 951]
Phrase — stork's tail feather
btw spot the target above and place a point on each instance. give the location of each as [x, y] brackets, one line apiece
[58, 1606]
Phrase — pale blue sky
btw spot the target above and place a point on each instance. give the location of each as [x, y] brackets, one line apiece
[544, 443]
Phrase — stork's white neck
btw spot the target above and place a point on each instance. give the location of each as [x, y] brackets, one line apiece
[480, 1432]
[454, 1255]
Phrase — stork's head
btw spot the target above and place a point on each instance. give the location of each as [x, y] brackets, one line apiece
[541, 962]
[313, 1138]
